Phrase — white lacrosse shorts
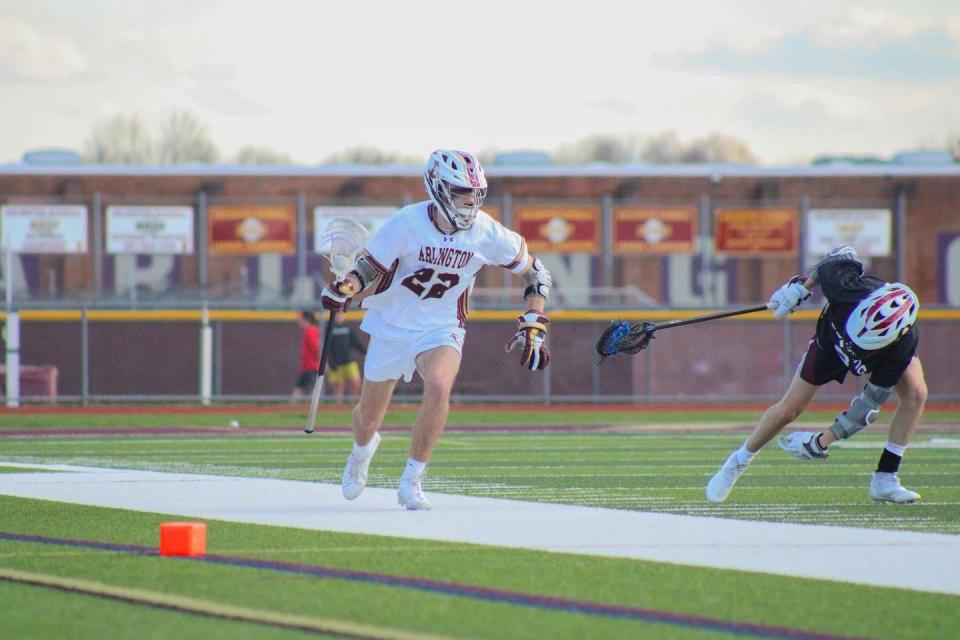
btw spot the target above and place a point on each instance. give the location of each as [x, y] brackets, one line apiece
[392, 359]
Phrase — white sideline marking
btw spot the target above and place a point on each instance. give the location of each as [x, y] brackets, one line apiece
[903, 559]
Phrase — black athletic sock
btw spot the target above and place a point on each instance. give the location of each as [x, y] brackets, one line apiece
[889, 462]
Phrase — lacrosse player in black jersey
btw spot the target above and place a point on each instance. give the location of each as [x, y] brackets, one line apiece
[866, 326]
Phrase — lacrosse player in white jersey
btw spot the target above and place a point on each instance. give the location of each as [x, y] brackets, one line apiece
[422, 264]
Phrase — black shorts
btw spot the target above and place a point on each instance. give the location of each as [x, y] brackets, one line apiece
[306, 380]
[818, 366]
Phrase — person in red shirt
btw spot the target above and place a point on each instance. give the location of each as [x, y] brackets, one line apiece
[309, 354]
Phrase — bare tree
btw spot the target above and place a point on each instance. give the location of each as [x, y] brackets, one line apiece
[663, 148]
[718, 147]
[611, 148]
[123, 139]
[362, 154]
[183, 138]
[953, 146]
[667, 148]
[252, 154]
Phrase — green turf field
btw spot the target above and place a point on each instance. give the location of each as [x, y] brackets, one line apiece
[626, 467]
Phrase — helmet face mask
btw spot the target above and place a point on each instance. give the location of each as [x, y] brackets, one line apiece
[883, 317]
[456, 185]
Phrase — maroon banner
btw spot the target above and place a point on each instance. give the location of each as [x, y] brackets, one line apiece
[251, 229]
[654, 229]
[757, 231]
[559, 229]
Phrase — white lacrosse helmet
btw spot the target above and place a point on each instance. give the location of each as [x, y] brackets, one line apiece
[883, 316]
[456, 184]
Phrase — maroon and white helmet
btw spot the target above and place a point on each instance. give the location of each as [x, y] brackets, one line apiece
[883, 316]
[456, 184]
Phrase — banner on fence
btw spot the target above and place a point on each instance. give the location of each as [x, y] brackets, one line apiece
[758, 231]
[251, 229]
[44, 228]
[150, 230]
[654, 229]
[869, 231]
[559, 228]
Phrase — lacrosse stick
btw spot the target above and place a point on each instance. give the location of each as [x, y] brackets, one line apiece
[339, 244]
[633, 337]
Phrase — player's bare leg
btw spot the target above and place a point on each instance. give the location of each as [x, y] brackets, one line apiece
[367, 418]
[794, 402]
[791, 405]
[912, 393]
[439, 368]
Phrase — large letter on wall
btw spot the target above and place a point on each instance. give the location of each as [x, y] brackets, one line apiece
[949, 275]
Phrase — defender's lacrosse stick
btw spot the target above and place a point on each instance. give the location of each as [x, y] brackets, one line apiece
[340, 244]
[633, 337]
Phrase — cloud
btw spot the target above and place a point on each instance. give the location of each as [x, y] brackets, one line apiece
[766, 110]
[866, 26]
[27, 54]
[926, 55]
[226, 100]
[614, 106]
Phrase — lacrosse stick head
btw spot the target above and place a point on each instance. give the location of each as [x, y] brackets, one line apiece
[340, 243]
[624, 337]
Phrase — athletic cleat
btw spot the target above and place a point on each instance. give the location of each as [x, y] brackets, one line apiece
[802, 444]
[410, 494]
[355, 473]
[886, 487]
[723, 480]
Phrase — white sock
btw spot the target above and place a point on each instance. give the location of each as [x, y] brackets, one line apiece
[363, 451]
[414, 469]
[744, 456]
[895, 448]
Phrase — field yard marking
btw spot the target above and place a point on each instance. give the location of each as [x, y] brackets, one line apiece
[887, 558]
[208, 608]
[498, 596]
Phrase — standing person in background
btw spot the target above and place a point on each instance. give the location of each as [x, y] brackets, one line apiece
[866, 326]
[309, 354]
[344, 371]
[425, 259]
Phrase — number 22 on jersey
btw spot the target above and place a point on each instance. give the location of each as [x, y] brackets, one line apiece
[420, 279]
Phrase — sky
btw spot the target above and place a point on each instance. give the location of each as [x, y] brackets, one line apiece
[794, 80]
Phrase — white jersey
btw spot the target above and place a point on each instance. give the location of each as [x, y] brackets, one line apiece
[427, 274]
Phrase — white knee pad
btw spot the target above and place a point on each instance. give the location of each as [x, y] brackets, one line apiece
[863, 411]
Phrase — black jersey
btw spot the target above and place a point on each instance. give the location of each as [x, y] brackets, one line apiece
[844, 286]
[342, 341]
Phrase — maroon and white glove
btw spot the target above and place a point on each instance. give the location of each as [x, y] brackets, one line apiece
[336, 296]
[531, 337]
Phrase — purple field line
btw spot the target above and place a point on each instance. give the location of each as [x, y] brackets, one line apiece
[46, 432]
[462, 590]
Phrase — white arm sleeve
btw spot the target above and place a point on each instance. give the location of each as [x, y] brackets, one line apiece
[508, 249]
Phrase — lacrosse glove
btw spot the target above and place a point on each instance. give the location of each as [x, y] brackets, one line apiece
[336, 296]
[531, 337]
[787, 298]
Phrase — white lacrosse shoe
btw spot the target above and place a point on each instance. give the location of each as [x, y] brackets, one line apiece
[355, 473]
[886, 487]
[803, 445]
[410, 494]
[723, 480]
